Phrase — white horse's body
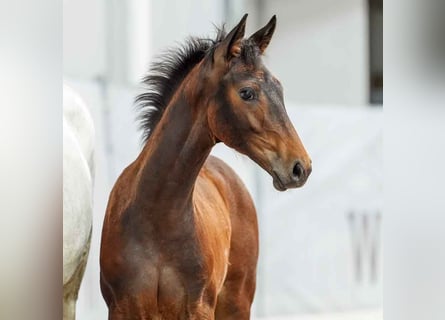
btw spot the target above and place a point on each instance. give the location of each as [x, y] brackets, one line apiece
[78, 174]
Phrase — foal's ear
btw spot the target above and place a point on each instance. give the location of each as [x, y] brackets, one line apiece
[231, 45]
[262, 37]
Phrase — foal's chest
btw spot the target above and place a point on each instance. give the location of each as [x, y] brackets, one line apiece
[186, 279]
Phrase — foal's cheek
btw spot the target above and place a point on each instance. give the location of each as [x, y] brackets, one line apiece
[255, 120]
[222, 125]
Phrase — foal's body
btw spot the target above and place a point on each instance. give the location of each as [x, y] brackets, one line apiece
[180, 236]
[181, 270]
[185, 218]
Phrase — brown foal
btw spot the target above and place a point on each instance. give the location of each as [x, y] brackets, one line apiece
[180, 236]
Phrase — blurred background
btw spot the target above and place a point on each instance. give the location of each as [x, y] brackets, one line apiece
[320, 248]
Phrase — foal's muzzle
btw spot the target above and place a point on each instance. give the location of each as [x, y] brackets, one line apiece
[294, 176]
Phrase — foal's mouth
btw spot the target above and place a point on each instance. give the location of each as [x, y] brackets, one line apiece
[282, 184]
[277, 183]
[283, 177]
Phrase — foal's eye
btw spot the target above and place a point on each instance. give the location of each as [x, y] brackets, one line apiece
[247, 94]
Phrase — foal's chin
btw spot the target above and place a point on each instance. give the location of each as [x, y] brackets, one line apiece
[277, 185]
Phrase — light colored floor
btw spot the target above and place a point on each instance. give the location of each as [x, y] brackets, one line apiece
[362, 314]
[354, 315]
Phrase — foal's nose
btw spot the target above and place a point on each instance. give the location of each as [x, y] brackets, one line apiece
[299, 172]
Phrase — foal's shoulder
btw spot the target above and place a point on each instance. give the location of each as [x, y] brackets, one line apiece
[230, 185]
[215, 164]
[219, 170]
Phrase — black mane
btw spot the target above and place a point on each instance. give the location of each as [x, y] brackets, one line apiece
[164, 77]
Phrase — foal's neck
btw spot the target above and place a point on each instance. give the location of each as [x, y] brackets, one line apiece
[174, 154]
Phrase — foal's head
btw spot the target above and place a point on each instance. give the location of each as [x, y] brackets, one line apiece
[246, 108]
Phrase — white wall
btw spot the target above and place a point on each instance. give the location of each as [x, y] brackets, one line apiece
[320, 50]
[84, 38]
[320, 245]
[173, 21]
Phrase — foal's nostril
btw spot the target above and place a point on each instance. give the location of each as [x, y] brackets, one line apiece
[298, 171]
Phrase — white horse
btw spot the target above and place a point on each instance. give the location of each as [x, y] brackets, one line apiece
[78, 174]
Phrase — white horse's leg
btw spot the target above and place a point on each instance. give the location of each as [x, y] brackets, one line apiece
[71, 288]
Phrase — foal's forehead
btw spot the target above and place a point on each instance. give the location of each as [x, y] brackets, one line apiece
[243, 71]
[249, 64]
[250, 53]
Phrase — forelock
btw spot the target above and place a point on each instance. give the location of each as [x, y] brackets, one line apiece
[250, 53]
